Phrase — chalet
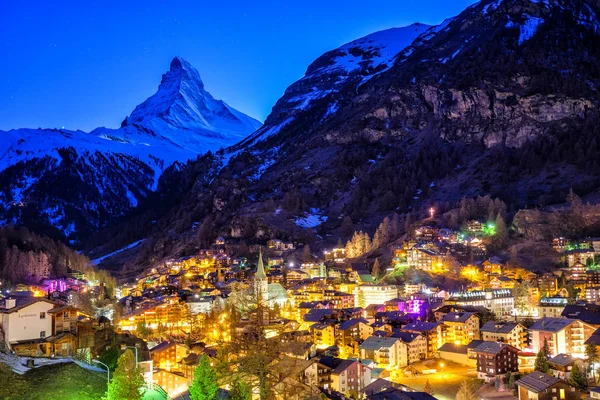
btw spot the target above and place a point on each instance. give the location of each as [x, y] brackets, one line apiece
[426, 258]
[280, 245]
[493, 266]
[561, 365]
[354, 329]
[540, 386]
[496, 359]
[168, 355]
[502, 282]
[511, 333]
[580, 256]
[345, 376]
[24, 319]
[474, 227]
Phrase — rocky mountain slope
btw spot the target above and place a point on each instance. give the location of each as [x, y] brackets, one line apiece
[501, 100]
[73, 182]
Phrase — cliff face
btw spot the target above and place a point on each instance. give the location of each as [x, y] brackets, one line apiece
[501, 72]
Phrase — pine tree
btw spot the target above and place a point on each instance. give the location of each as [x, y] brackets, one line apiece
[347, 227]
[541, 360]
[239, 391]
[511, 380]
[427, 389]
[501, 231]
[127, 382]
[307, 255]
[466, 392]
[376, 269]
[577, 378]
[360, 299]
[592, 357]
[204, 385]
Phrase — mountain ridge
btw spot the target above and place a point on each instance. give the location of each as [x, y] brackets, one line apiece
[475, 106]
[112, 169]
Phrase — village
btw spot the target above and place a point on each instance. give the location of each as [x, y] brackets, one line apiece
[344, 329]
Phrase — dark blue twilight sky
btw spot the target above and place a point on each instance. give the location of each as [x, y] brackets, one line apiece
[87, 63]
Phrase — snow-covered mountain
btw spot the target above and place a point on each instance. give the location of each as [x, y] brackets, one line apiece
[78, 181]
[350, 65]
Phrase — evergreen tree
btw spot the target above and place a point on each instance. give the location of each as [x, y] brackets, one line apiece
[127, 382]
[307, 255]
[347, 227]
[592, 357]
[577, 378]
[511, 381]
[240, 391]
[501, 231]
[360, 299]
[428, 388]
[466, 392]
[376, 269]
[541, 360]
[204, 385]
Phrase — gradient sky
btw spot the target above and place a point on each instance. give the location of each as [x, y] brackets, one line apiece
[87, 63]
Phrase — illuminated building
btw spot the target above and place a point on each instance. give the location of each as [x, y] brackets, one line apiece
[323, 335]
[500, 301]
[511, 333]
[168, 315]
[433, 333]
[495, 359]
[461, 327]
[337, 255]
[552, 306]
[167, 355]
[387, 352]
[375, 294]
[349, 331]
[562, 334]
[425, 258]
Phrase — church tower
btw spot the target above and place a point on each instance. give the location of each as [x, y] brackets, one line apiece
[261, 282]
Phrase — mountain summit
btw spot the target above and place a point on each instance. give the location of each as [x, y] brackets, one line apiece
[75, 182]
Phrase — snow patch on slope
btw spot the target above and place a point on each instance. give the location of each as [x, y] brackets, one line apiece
[98, 260]
[311, 219]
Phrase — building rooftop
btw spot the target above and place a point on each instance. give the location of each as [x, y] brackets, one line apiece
[454, 348]
[376, 342]
[563, 360]
[406, 337]
[457, 316]
[492, 347]
[537, 382]
[422, 326]
[498, 327]
[351, 322]
[551, 324]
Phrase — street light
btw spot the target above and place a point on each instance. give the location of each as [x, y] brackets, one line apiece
[107, 370]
